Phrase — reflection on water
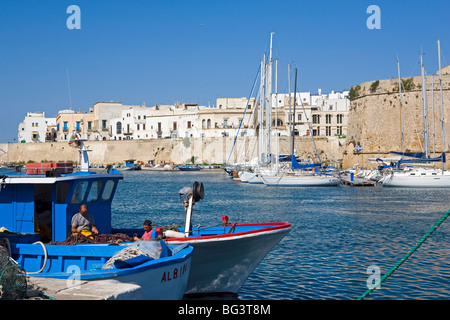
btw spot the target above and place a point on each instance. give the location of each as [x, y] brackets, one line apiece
[337, 233]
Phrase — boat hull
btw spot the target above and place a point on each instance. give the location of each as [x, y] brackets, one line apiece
[416, 181]
[246, 176]
[222, 263]
[160, 279]
[300, 181]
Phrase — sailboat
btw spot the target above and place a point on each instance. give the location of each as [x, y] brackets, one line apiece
[422, 176]
[251, 172]
[299, 175]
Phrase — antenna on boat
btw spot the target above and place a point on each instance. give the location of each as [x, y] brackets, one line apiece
[189, 196]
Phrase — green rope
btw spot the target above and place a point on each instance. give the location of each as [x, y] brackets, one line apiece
[406, 256]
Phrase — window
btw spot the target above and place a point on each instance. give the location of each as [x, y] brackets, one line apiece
[339, 118]
[78, 125]
[79, 192]
[62, 188]
[65, 126]
[57, 127]
[159, 127]
[203, 124]
[225, 123]
[189, 125]
[174, 126]
[89, 125]
[119, 127]
[328, 118]
[108, 190]
[328, 131]
[103, 124]
[299, 117]
[315, 118]
[209, 124]
[94, 193]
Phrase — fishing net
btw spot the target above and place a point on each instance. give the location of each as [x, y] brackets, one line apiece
[173, 227]
[96, 238]
[13, 281]
[147, 248]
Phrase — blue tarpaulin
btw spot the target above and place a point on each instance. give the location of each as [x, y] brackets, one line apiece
[296, 165]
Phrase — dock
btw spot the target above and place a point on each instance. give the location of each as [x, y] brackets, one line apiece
[357, 182]
[67, 289]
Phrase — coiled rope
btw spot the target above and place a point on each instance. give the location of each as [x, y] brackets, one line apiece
[406, 256]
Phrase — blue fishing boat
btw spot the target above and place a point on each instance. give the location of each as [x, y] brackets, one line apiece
[130, 164]
[36, 211]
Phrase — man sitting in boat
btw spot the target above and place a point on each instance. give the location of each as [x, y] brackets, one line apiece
[149, 233]
[83, 222]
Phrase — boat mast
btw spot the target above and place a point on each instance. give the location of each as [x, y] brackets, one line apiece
[426, 138]
[442, 104]
[276, 111]
[269, 98]
[261, 111]
[291, 135]
[432, 112]
[401, 106]
[293, 114]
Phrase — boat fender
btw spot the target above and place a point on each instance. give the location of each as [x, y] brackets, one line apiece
[174, 234]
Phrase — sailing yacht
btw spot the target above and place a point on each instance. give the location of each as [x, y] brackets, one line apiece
[423, 176]
[417, 177]
[299, 175]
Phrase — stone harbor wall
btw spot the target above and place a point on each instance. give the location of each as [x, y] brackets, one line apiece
[375, 118]
[202, 150]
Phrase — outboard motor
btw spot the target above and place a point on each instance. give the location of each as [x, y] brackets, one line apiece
[189, 196]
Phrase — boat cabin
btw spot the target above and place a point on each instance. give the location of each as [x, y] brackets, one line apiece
[40, 207]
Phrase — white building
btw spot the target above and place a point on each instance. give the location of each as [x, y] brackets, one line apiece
[160, 121]
[36, 128]
[315, 114]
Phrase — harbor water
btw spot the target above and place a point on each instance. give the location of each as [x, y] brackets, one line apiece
[339, 237]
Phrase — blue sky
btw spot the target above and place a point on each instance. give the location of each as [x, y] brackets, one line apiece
[159, 52]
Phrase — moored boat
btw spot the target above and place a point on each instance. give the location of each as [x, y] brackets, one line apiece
[225, 254]
[36, 211]
[190, 168]
[301, 180]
